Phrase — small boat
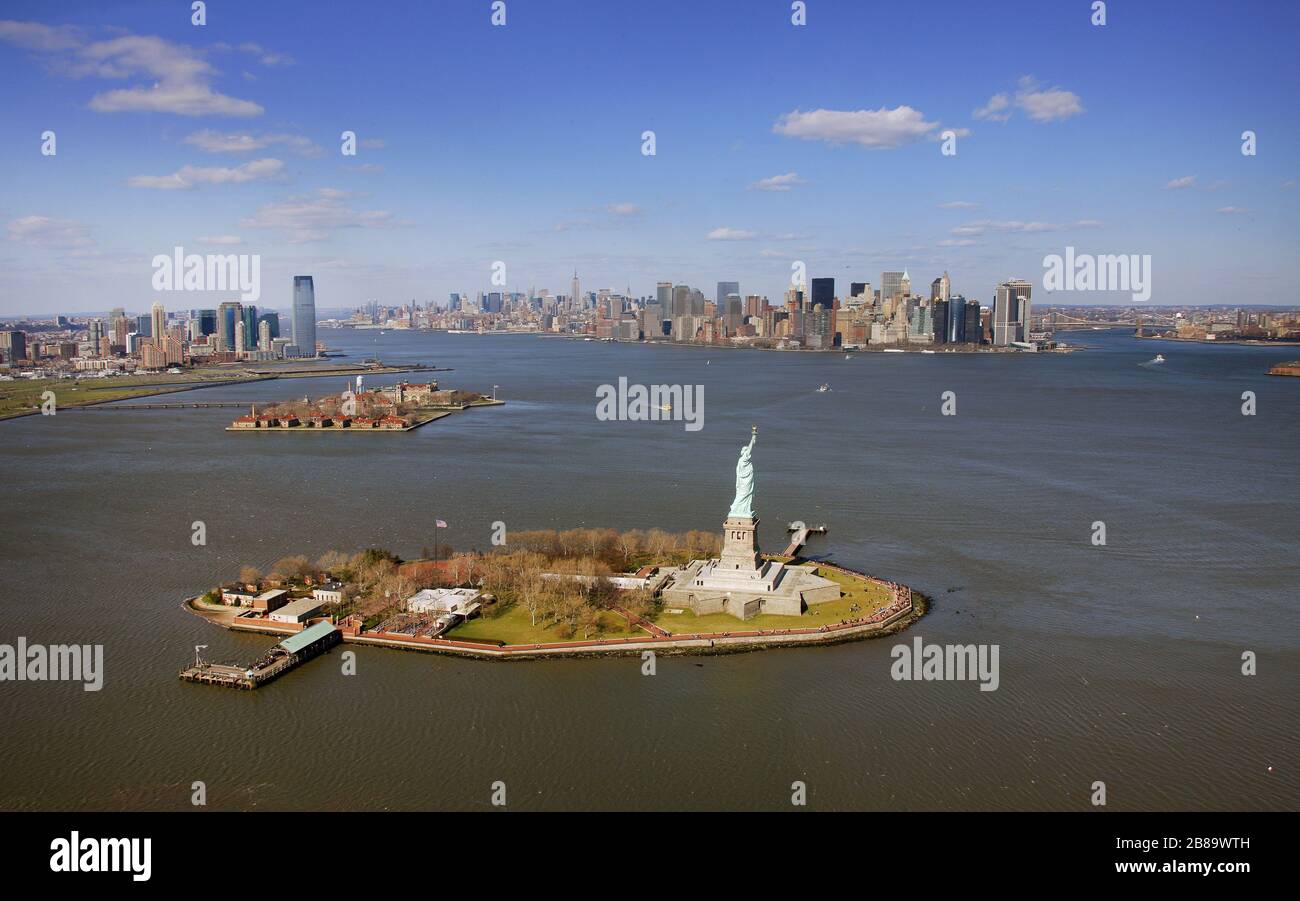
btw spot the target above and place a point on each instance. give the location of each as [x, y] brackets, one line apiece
[1160, 358]
[848, 357]
[927, 351]
[894, 350]
[824, 388]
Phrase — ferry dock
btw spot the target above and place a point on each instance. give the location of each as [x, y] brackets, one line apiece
[294, 650]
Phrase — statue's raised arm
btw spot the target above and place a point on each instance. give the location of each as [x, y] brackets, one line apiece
[743, 505]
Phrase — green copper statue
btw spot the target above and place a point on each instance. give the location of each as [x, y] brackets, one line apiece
[743, 505]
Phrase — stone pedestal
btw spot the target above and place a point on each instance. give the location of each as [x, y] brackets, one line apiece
[740, 545]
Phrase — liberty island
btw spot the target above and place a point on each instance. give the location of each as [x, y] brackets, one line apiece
[541, 601]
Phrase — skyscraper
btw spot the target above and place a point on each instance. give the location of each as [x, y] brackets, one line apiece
[248, 315]
[1011, 312]
[891, 285]
[304, 315]
[158, 320]
[726, 289]
[941, 288]
[228, 313]
[823, 293]
[577, 292]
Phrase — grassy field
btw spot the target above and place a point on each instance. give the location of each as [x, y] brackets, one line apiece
[868, 595]
[514, 627]
[24, 395]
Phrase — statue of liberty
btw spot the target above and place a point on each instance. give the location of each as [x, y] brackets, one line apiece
[743, 505]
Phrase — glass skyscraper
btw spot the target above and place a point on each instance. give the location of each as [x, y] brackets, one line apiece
[304, 315]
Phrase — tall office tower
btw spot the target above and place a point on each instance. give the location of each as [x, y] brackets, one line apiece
[207, 322]
[272, 321]
[248, 315]
[576, 294]
[144, 326]
[956, 324]
[228, 313]
[1011, 312]
[664, 297]
[304, 315]
[119, 330]
[972, 330]
[241, 337]
[157, 320]
[891, 285]
[941, 288]
[823, 293]
[725, 290]
[754, 305]
[856, 289]
[939, 318]
[697, 302]
[734, 314]
[13, 346]
[681, 305]
[263, 334]
[905, 285]
[96, 331]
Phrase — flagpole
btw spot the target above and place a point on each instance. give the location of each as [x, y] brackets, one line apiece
[435, 542]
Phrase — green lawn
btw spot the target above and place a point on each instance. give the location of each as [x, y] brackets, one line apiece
[868, 595]
[22, 395]
[514, 627]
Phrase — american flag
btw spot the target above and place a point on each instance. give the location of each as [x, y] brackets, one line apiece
[440, 523]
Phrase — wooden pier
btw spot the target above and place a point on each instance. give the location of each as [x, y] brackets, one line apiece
[291, 652]
[800, 537]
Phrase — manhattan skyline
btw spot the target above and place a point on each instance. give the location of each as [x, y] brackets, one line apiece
[523, 144]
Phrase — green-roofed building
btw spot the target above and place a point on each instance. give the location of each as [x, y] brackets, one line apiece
[311, 639]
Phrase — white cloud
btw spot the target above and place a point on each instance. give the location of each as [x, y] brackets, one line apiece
[1009, 226]
[35, 36]
[998, 109]
[777, 182]
[880, 129]
[1047, 105]
[314, 217]
[243, 142]
[1185, 182]
[958, 242]
[1233, 210]
[192, 176]
[959, 205]
[731, 234]
[622, 209]
[221, 239]
[45, 231]
[178, 77]
[266, 57]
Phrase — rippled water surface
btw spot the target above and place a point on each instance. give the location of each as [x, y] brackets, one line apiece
[1118, 663]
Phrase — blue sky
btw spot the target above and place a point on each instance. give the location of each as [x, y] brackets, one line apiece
[523, 143]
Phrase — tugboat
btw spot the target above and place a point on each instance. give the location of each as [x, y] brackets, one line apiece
[1160, 358]
[824, 388]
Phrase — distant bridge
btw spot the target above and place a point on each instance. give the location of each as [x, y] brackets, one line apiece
[1055, 320]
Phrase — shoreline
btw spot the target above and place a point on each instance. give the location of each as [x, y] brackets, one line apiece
[163, 388]
[911, 606]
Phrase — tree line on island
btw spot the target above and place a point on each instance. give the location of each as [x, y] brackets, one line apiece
[377, 583]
